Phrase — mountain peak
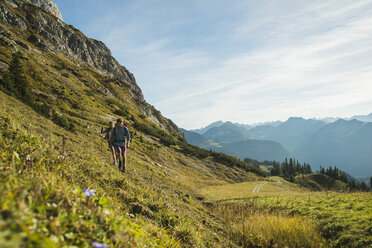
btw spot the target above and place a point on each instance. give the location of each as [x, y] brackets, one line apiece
[295, 119]
[49, 6]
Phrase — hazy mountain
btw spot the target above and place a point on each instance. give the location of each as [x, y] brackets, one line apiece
[365, 118]
[292, 132]
[227, 132]
[230, 139]
[255, 149]
[194, 138]
[346, 144]
[329, 119]
[206, 128]
[261, 132]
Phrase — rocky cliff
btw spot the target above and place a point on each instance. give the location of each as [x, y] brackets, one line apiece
[46, 32]
[48, 6]
[40, 24]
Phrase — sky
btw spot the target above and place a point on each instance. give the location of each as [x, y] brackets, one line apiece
[199, 61]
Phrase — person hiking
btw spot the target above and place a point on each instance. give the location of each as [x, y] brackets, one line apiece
[120, 137]
[107, 133]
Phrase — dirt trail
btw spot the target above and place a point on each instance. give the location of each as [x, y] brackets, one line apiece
[258, 187]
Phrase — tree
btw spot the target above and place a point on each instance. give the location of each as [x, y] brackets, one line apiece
[276, 171]
[370, 183]
[363, 186]
[14, 82]
[17, 76]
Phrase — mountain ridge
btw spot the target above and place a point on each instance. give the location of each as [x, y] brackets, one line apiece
[297, 135]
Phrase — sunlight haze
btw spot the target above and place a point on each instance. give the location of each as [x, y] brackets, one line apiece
[242, 61]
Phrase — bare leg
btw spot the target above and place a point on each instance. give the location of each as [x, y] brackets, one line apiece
[124, 158]
[113, 155]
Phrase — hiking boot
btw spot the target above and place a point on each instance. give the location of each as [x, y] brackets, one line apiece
[124, 169]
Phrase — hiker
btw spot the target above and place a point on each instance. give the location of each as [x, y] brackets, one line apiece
[121, 138]
[107, 133]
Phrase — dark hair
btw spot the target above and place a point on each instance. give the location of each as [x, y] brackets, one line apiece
[119, 120]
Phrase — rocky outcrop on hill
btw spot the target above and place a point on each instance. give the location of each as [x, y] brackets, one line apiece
[49, 6]
[38, 25]
[49, 33]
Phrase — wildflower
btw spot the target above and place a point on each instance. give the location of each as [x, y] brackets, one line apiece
[89, 192]
[98, 245]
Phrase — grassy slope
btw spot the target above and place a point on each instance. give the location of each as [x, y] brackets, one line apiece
[41, 200]
[154, 204]
[166, 195]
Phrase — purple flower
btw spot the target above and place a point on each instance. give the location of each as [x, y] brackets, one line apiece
[89, 192]
[98, 245]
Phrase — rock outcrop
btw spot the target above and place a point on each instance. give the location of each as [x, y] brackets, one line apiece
[21, 21]
[50, 34]
[49, 6]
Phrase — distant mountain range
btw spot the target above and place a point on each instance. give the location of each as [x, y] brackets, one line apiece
[229, 138]
[227, 132]
[345, 143]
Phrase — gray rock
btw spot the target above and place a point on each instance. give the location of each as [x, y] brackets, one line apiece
[49, 6]
[53, 35]
[48, 33]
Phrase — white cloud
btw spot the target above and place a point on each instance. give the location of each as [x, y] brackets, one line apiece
[246, 61]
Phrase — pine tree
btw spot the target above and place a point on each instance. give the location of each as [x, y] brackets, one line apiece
[14, 82]
[7, 84]
[18, 79]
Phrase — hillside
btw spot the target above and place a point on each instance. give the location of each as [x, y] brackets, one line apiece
[59, 188]
[52, 149]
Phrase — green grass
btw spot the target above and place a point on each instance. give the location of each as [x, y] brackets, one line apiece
[252, 228]
[243, 190]
[152, 205]
[168, 196]
[343, 219]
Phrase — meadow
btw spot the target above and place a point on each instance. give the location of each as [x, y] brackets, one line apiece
[283, 214]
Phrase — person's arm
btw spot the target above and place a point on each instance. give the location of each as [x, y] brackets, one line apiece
[128, 138]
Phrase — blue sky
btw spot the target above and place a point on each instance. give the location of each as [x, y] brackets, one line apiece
[200, 61]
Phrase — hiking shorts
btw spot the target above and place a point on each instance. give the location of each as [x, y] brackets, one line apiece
[110, 145]
[119, 148]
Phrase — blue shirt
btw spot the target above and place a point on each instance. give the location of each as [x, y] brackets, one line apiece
[120, 135]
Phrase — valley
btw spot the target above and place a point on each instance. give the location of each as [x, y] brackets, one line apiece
[59, 187]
